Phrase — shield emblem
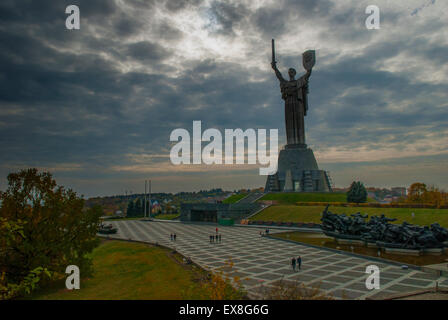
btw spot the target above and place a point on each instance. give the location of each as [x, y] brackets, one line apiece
[309, 59]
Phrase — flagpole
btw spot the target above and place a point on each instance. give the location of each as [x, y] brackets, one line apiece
[149, 198]
[144, 206]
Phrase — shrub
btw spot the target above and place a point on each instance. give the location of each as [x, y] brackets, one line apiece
[357, 192]
[292, 290]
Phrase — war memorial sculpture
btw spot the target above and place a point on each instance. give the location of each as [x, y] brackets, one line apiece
[379, 231]
[297, 167]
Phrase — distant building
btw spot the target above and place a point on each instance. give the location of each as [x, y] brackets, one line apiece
[399, 191]
[390, 199]
[156, 207]
[214, 212]
[371, 194]
[119, 213]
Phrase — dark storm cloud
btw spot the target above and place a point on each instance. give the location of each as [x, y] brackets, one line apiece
[167, 32]
[44, 12]
[355, 116]
[346, 24]
[90, 106]
[68, 102]
[147, 51]
[178, 5]
[275, 19]
[227, 16]
[126, 26]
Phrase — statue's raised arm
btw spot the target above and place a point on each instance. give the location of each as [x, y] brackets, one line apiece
[274, 63]
[277, 72]
[308, 74]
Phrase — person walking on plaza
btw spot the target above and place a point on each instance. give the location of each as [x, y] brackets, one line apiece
[216, 230]
[174, 237]
[219, 237]
[293, 264]
[213, 238]
[171, 236]
[299, 262]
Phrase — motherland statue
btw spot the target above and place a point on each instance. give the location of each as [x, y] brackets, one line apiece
[297, 168]
[294, 92]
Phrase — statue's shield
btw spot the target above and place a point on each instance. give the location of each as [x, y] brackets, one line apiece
[309, 59]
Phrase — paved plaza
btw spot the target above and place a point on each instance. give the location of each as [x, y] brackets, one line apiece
[260, 261]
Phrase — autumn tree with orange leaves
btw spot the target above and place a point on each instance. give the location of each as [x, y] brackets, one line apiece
[43, 229]
[419, 193]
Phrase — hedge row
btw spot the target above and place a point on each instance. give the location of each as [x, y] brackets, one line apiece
[375, 205]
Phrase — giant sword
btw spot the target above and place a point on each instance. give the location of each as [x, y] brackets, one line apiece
[273, 52]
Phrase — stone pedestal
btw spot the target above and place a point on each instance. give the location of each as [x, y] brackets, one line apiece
[408, 252]
[434, 251]
[348, 241]
[298, 172]
[371, 245]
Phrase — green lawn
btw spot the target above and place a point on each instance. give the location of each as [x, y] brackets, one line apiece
[291, 213]
[168, 216]
[293, 197]
[128, 270]
[235, 198]
[121, 218]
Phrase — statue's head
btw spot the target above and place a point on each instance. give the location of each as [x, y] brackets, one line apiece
[292, 73]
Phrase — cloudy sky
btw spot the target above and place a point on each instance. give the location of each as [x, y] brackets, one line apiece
[96, 106]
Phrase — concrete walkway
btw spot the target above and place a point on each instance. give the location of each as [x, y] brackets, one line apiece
[259, 261]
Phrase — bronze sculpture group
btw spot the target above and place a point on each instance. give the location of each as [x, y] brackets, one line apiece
[381, 231]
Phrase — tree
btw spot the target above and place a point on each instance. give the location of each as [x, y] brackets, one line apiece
[9, 231]
[148, 207]
[130, 212]
[435, 196]
[45, 228]
[417, 192]
[221, 285]
[138, 208]
[357, 192]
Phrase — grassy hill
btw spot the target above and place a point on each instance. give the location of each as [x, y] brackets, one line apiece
[235, 198]
[167, 216]
[128, 270]
[293, 197]
[293, 213]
